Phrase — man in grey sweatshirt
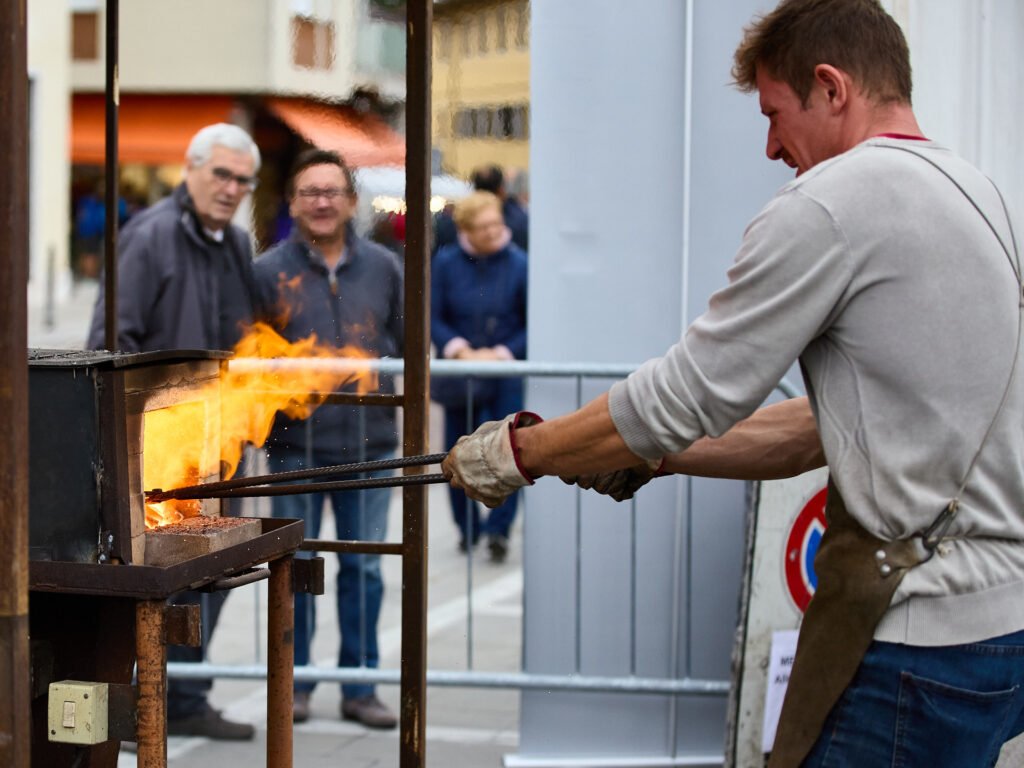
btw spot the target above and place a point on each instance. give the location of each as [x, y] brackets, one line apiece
[889, 268]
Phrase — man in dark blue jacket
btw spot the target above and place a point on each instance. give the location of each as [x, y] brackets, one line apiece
[185, 281]
[348, 291]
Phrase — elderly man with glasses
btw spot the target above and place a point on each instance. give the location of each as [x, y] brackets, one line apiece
[184, 271]
[185, 281]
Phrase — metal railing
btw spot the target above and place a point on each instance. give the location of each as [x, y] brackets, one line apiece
[470, 677]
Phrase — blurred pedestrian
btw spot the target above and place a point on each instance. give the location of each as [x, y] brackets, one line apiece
[478, 312]
[488, 178]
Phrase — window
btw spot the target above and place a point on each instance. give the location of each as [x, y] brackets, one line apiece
[522, 13]
[444, 48]
[482, 42]
[85, 36]
[464, 34]
[505, 123]
[312, 43]
[501, 41]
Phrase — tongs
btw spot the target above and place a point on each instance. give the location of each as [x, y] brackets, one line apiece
[245, 487]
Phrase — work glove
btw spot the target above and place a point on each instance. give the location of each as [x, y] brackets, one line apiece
[485, 464]
[620, 484]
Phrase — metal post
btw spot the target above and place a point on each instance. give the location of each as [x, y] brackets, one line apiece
[113, 98]
[419, 19]
[280, 663]
[14, 652]
[151, 670]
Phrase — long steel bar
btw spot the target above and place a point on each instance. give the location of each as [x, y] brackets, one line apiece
[151, 671]
[413, 714]
[159, 495]
[359, 547]
[465, 679]
[110, 191]
[280, 663]
[15, 723]
[298, 488]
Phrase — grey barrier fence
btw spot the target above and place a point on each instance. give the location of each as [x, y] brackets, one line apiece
[470, 677]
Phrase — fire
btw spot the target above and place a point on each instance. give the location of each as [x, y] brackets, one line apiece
[204, 438]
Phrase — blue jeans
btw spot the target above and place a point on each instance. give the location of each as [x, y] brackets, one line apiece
[457, 422]
[910, 706]
[358, 515]
[189, 696]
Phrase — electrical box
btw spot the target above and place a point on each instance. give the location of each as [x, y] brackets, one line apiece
[78, 712]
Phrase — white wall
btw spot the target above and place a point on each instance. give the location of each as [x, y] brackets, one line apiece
[969, 82]
[49, 178]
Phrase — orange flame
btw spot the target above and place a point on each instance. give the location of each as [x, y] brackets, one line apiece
[203, 438]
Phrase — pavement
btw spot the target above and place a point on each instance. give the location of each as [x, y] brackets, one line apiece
[466, 728]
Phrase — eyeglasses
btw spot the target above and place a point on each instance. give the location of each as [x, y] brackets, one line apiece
[224, 176]
[329, 193]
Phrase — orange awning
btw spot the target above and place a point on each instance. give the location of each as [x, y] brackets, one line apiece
[152, 129]
[363, 140]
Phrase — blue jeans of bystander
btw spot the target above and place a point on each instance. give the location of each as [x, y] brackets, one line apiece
[358, 515]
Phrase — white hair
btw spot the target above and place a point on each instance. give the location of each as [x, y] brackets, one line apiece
[220, 135]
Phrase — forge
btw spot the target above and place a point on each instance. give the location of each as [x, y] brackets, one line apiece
[101, 571]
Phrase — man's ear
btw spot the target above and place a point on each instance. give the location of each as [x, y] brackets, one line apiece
[835, 84]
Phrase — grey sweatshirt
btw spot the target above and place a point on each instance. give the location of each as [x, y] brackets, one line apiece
[902, 306]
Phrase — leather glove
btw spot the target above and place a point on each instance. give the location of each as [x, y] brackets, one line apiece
[485, 464]
[620, 484]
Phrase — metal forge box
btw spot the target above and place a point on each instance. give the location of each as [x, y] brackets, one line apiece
[87, 432]
[97, 593]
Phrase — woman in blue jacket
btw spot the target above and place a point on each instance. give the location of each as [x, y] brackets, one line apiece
[478, 312]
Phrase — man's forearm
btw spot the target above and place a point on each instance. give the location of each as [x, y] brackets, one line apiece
[777, 441]
[582, 442]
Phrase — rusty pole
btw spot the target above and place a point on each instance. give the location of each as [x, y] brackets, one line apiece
[412, 750]
[151, 670]
[14, 654]
[280, 663]
[110, 192]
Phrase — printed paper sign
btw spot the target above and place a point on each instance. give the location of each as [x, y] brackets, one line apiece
[779, 665]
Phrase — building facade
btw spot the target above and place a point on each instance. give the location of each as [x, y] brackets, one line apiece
[481, 84]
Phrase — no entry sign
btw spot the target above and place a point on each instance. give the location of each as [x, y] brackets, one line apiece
[801, 547]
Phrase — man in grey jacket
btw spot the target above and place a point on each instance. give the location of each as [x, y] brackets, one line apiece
[890, 270]
[348, 291]
[185, 281]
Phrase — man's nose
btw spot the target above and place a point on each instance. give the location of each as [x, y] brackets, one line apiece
[774, 147]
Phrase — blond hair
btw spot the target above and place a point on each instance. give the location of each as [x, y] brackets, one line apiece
[469, 207]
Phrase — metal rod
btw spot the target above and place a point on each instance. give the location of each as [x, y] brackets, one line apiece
[280, 664]
[522, 681]
[295, 489]
[15, 723]
[112, 100]
[241, 580]
[413, 714]
[151, 673]
[159, 495]
[356, 547]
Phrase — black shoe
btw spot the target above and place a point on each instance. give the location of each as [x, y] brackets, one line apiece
[211, 724]
[370, 711]
[300, 707]
[498, 546]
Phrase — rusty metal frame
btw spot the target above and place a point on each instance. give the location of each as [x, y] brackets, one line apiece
[13, 342]
[14, 645]
[419, 33]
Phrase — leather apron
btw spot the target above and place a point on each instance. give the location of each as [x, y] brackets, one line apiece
[857, 576]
